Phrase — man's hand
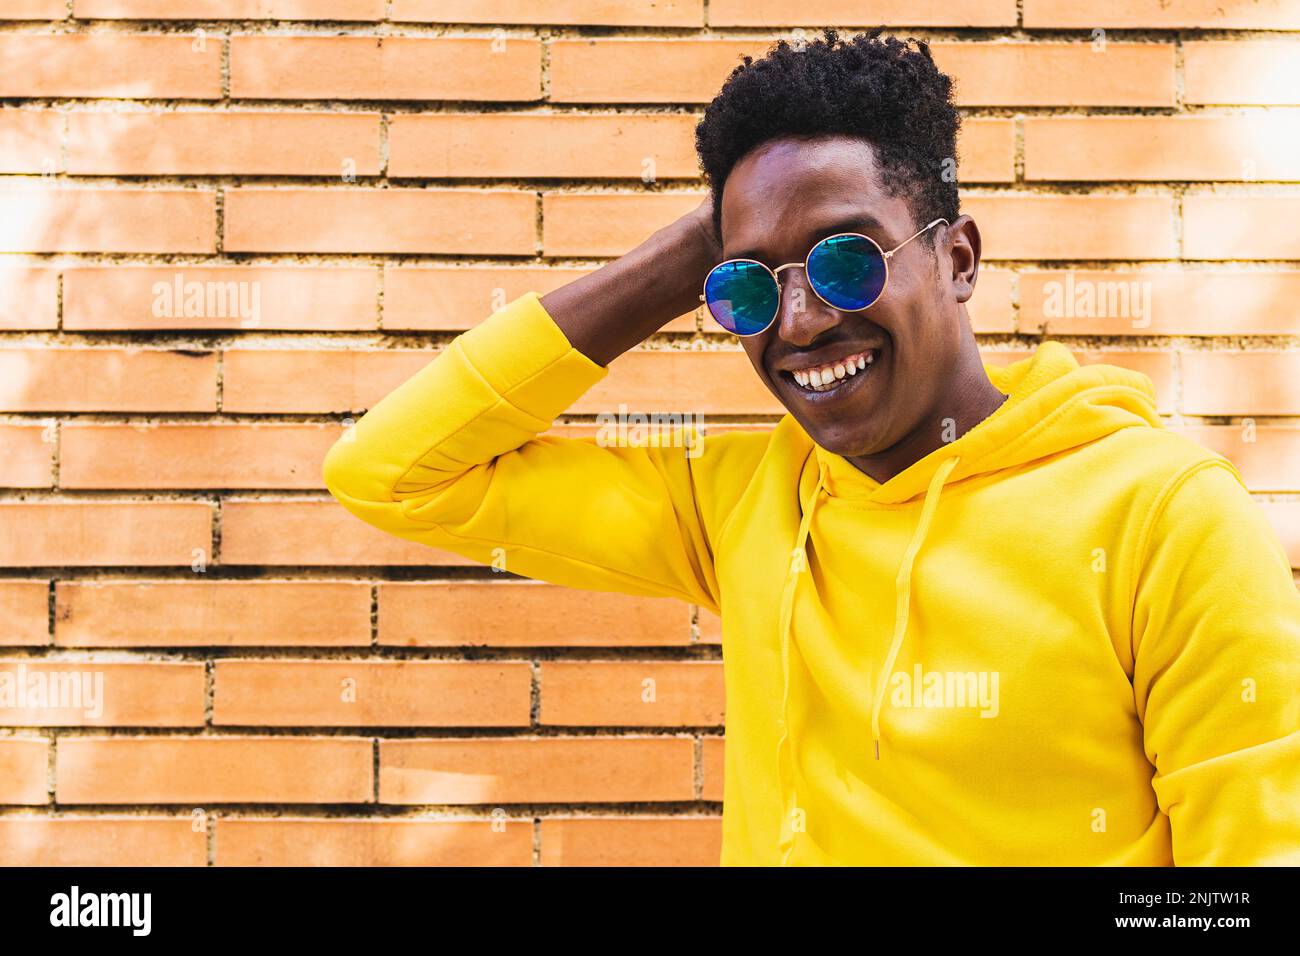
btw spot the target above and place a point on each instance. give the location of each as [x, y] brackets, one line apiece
[621, 304]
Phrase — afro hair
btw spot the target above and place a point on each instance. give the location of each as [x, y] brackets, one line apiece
[880, 90]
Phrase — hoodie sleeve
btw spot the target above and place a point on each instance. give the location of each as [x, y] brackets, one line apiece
[1216, 632]
[453, 458]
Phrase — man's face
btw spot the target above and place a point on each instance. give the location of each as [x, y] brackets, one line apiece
[778, 201]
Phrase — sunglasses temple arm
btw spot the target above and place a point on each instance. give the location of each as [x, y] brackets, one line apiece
[918, 232]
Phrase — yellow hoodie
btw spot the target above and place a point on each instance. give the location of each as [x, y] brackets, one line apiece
[1067, 637]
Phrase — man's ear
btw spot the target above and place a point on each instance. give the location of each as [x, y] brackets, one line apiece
[962, 242]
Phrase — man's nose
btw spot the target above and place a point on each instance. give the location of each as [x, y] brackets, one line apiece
[802, 316]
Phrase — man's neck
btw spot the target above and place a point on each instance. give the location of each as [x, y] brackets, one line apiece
[973, 398]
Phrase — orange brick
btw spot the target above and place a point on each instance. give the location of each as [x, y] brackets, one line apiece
[1059, 74]
[31, 141]
[24, 763]
[36, 10]
[29, 456]
[607, 224]
[649, 13]
[1100, 226]
[987, 151]
[658, 70]
[385, 68]
[317, 298]
[262, 144]
[714, 756]
[286, 841]
[101, 841]
[543, 145]
[107, 220]
[1162, 147]
[1240, 71]
[455, 298]
[1284, 516]
[202, 770]
[632, 694]
[228, 9]
[505, 770]
[103, 533]
[986, 74]
[471, 221]
[912, 13]
[29, 298]
[1268, 457]
[79, 693]
[1164, 14]
[1094, 302]
[1230, 226]
[24, 613]
[491, 614]
[315, 533]
[208, 614]
[106, 379]
[709, 625]
[256, 455]
[631, 841]
[990, 307]
[651, 70]
[1241, 383]
[280, 693]
[110, 65]
[300, 380]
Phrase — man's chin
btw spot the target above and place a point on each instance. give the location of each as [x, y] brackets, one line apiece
[846, 442]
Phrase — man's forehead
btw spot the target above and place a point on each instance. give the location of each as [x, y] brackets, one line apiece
[765, 237]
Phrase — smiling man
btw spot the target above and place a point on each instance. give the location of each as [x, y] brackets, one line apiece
[971, 614]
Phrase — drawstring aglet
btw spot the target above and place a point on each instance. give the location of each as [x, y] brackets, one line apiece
[877, 749]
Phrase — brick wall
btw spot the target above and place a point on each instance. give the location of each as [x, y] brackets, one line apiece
[283, 684]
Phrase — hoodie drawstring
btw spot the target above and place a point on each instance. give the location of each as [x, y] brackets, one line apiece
[784, 760]
[903, 590]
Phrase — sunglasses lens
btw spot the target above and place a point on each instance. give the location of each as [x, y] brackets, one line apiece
[742, 296]
[847, 271]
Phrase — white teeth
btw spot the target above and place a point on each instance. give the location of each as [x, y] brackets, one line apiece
[820, 379]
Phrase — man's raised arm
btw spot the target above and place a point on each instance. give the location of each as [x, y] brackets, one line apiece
[453, 458]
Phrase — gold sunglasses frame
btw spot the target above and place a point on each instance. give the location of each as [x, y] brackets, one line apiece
[774, 273]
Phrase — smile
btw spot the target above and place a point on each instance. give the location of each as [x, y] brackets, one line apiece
[827, 376]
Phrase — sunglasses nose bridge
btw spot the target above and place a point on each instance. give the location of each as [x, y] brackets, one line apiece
[801, 315]
[782, 282]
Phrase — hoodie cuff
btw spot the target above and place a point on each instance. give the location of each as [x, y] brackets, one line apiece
[525, 357]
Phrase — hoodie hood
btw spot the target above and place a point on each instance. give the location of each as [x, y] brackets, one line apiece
[1053, 404]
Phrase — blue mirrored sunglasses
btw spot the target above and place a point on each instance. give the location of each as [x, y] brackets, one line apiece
[848, 271]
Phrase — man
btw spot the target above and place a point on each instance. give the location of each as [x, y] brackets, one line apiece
[972, 615]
